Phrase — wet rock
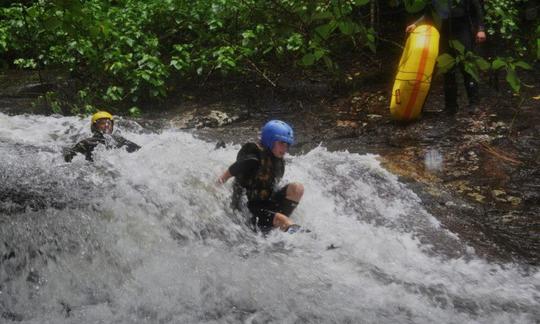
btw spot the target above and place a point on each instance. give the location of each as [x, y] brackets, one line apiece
[476, 196]
[11, 316]
[211, 119]
[216, 119]
[7, 256]
[307, 88]
[346, 123]
[515, 201]
[499, 195]
[33, 89]
[33, 277]
[374, 117]
[183, 120]
[67, 308]
[220, 144]
[355, 99]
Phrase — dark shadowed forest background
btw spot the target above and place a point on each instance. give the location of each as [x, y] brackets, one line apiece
[132, 55]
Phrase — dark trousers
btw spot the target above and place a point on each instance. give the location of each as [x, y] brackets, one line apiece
[457, 29]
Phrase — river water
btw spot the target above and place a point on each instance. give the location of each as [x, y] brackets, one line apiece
[148, 237]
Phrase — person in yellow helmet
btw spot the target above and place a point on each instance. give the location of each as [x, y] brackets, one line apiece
[101, 125]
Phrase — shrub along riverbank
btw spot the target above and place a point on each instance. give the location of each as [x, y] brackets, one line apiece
[124, 53]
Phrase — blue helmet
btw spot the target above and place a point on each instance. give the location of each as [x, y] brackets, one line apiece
[276, 130]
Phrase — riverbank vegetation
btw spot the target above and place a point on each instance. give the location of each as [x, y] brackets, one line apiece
[126, 52]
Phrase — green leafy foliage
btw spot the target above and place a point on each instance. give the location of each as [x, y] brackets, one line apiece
[516, 25]
[505, 25]
[127, 52]
[134, 111]
[414, 6]
[445, 63]
[510, 65]
[537, 41]
[472, 64]
[502, 19]
[457, 46]
[130, 51]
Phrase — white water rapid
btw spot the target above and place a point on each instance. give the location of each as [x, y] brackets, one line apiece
[148, 237]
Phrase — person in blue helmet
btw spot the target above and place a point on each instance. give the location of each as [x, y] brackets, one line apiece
[257, 171]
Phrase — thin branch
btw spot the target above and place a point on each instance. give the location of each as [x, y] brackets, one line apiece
[515, 115]
[382, 39]
[502, 156]
[261, 73]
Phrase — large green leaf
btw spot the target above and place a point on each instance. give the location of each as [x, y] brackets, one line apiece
[114, 93]
[445, 62]
[523, 65]
[348, 27]
[513, 80]
[482, 64]
[361, 2]
[308, 59]
[324, 15]
[457, 46]
[318, 53]
[325, 30]
[414, 6]
[472, 70]
[497, 64]
[134, 111]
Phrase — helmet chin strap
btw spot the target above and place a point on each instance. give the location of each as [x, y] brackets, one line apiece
[95, 128]
[102, 132]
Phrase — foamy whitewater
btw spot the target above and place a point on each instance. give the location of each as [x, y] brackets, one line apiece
[148, 237]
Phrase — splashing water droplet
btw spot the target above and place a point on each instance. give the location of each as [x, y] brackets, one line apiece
[433, 160]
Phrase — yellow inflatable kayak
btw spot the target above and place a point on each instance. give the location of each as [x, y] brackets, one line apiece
[414, 73]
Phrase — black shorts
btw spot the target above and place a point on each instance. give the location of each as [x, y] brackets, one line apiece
[264, 211]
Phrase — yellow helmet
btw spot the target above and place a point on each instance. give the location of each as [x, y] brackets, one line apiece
[97, 116]
[101, 115]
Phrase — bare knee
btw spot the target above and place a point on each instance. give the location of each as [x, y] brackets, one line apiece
[282, 222]
[295, 191]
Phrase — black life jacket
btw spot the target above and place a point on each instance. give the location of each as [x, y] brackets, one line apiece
[446, 9]
[87, 146]
[261, 185]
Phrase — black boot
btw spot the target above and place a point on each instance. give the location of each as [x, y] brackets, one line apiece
[451, 108]
[295, 228]
[472, 93]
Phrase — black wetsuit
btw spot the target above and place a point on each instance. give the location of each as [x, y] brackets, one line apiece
[461, 23]
[87, 146]
[257, 172]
